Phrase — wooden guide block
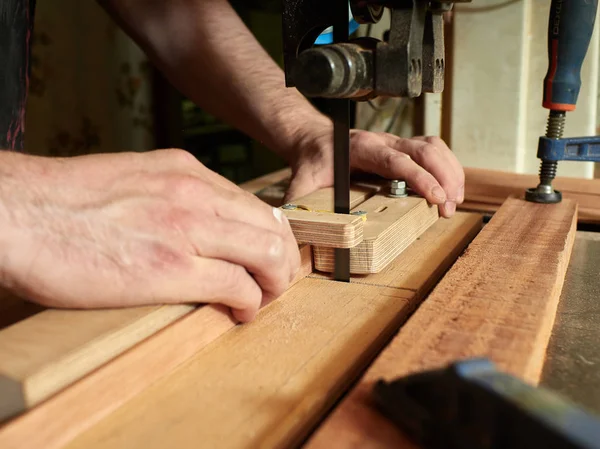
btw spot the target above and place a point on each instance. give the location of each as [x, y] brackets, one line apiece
[325, 229]
[267, 383]
[392, 225]
[498, 301]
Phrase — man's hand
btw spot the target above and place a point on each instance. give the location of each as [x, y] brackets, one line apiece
[135, 229]
[425, 163]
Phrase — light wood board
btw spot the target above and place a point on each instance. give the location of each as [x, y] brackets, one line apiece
[391, 225]
[498, 301]
[46, 352]
[267, 382]
[486, 190]
[325, 229]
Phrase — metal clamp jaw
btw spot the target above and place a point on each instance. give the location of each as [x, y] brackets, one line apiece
[410, 62]
[550, 152]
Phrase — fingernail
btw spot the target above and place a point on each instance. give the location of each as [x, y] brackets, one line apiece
[278, 214]
[438, 193]
[450, 207]
[461, 195]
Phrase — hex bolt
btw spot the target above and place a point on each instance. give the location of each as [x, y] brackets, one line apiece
[398, 189]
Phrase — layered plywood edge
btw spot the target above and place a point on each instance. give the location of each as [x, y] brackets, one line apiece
[390, 226]
[497, 301]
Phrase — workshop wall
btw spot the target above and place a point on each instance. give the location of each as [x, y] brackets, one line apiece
[90, 85]
[499, 60]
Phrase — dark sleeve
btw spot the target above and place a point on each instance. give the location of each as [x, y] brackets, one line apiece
[16, 27]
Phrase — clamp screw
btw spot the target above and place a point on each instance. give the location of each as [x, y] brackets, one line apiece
[398, 189]
[359, 213]
[289, 206]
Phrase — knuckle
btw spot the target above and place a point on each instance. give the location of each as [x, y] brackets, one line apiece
[436, 141]
[181, 156]
[429, 151]
[186, 186]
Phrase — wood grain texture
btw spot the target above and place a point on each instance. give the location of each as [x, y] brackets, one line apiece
[325, 229]
[392, 224]
[498, 301]
[265, 384]
[486, 190]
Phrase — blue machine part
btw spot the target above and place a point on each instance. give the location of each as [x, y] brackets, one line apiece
[471, 405]
[570, 149]
[326, 37]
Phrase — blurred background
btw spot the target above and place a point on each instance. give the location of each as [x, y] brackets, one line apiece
[93, 90]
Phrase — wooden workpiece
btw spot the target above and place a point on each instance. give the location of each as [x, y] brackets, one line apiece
[268, 382]
[499, 301]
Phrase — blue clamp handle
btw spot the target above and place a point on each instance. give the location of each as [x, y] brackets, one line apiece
[569, 149]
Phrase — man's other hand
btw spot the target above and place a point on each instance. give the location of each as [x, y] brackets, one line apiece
[127, 229]
[426, 163]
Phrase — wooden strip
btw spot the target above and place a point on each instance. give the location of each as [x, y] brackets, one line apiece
[486, 190]
[392, 225]
[498, 301]
[325, 229]
[58, 420]
[267, 383]
[46, 352]
[55, 422]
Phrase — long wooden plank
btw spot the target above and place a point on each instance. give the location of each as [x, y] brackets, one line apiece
[498, 301]
[265, 384]
[391, 225]
[55, 422]
[486, 190]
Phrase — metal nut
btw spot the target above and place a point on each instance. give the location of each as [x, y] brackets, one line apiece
[398, 189]
[396, 184]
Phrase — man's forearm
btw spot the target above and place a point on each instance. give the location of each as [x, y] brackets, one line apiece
[208, 53]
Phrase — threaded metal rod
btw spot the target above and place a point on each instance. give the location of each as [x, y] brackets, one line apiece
[554, 130]
[544, 193]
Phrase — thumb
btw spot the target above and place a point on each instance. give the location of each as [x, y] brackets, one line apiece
[303, 183]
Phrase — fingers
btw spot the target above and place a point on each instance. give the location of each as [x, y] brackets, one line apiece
[217, 281]
[264, 254]
[443, 186]
[390, 163]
